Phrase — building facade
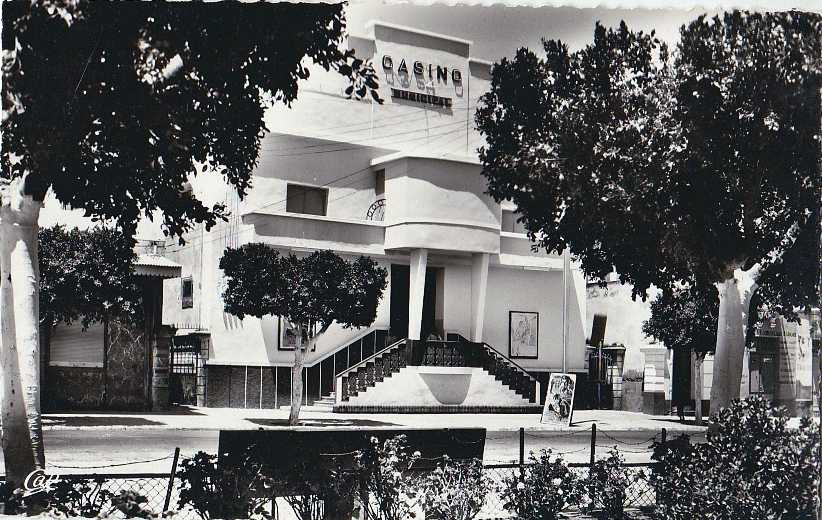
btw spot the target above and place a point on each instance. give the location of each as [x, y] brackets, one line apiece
[401, 183]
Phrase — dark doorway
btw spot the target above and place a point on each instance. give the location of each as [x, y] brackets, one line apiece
[400, 282]
[182, 377]
[681, 378]
[400, 292]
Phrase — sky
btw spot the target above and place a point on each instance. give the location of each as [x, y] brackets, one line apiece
[495, 31]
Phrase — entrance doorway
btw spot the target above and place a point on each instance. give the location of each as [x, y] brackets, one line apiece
[182, 377]
[400, 293]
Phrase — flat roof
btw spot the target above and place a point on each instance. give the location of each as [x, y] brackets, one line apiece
[372, 23]
[396, 156]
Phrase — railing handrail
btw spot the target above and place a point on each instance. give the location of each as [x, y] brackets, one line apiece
[500, 354]
[511, 362]
[348, 343]
[370, 358]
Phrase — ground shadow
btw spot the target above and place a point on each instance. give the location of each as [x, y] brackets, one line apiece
[686, 422]
[577, 423]
[106, 420]
[321, 422]
[174, 410]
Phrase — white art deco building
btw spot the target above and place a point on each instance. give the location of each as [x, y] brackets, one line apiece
[401, 183]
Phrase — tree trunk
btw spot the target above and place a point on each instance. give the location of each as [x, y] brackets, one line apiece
[22, 437]
[698, 380]
[734, 302]
[297, 378]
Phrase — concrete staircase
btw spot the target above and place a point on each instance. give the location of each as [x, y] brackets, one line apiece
[408, 388]
[326, 404]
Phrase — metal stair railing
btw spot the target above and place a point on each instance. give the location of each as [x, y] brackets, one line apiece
[464, 353]
[530, 387]
[368, 372]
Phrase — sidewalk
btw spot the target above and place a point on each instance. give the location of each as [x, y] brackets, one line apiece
[193, 418]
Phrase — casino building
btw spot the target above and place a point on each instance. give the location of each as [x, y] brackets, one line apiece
[473, 319]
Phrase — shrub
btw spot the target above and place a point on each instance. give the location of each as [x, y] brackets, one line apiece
[751, 466]
[319, 487]
[388, 488]
[86, 498]
[455, 490]
[218, 492]
[607, 482]
[542, 490]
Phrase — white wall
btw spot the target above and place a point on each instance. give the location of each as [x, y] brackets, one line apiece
[534, 291]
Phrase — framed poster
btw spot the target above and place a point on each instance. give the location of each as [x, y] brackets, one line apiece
[288, 336]
[559, 400]
[523, 334]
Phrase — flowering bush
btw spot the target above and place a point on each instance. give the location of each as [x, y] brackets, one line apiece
[606, 483]
[752, 466]
[388, 487]
[542, 490]
[455, 490]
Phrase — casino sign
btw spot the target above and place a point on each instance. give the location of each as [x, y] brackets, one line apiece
[437, 73]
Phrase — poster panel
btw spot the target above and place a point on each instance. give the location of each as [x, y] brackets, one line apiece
[559, 400]
[523, 334]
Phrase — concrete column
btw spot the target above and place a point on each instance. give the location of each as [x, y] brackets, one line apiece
[202, 371]
[159, 382]
[416, 292]
[479, 289]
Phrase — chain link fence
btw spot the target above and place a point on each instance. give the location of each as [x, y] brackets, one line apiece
[155, 488]
[162, 497]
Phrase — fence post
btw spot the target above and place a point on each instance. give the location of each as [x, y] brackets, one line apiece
[171, 478]
[593, 442]
[592, 489]
[521, 447]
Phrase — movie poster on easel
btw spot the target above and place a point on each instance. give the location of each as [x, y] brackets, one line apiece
[559, 400]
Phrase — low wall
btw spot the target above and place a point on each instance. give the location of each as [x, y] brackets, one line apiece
[73, 388]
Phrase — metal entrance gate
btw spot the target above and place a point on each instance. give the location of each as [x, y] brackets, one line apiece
[182, 381]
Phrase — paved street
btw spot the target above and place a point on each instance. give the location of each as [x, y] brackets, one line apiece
[77, 442]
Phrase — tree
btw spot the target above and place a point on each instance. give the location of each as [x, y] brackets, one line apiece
[702, 165]
[112, 107]
[86, 276]
[685, 318]
[311, 293]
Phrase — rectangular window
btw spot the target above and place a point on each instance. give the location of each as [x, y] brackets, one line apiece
[510, 224]
[187, 293]
[306, 199]
[379, 187]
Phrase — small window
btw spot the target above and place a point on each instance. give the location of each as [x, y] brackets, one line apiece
[187, 292]
[510, 224]
[379, 186]
[306, 199]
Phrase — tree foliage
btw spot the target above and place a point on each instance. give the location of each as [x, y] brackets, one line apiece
[87, 276]
[319, 288]
[685, 318]
[114, 105]
[668, 166]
